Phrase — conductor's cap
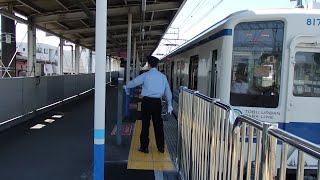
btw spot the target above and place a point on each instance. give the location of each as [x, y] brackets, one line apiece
[153, 61]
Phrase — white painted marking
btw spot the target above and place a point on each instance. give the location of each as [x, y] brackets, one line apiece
[57, 116]
[48, 106]
[66, 99]
[99, 141]
[38, 126]
[85, 92]
[15, 118]
[49, 120]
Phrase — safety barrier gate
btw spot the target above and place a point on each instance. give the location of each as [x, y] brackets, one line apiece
[212, 144]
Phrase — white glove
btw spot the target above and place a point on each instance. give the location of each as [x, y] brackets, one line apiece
[125, 88]
[170, 109]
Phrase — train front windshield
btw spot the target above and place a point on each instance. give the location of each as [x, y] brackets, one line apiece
[307, 74]
[256, 64]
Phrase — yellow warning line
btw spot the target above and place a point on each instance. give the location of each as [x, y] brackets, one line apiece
[154, 160]
[139, 106]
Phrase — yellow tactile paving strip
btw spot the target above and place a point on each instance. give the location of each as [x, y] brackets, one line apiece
[153, 160]
[139, 106]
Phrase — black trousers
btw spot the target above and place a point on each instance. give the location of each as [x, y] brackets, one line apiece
[151, 108]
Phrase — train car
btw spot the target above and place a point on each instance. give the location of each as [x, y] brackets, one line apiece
[264, 63]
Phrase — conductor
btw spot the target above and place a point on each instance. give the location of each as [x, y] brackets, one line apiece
[154, 86]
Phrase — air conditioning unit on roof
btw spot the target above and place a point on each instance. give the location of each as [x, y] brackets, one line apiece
[314, 5]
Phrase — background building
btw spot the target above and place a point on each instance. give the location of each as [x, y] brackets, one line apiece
[48, 59]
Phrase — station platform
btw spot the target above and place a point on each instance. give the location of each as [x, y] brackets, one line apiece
[59, 145]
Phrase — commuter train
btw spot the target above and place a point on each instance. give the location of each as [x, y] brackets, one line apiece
[264, 63]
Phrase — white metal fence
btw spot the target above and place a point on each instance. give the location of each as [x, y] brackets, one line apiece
[213, 144]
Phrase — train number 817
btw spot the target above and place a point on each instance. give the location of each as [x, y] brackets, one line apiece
[313, 22]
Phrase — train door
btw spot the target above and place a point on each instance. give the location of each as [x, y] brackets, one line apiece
[303, 99]
[167, 70]
[193, 72]
[172, 75]
[177, 75]
[214, 72]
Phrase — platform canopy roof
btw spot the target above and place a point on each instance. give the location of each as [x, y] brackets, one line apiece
[74, 20]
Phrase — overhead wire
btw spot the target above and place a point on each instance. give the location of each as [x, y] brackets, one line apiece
[195, 10]
[200, 4]
[190, 14]
[201, 18]
[206, 14]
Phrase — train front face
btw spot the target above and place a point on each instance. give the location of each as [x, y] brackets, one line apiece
[275, 73]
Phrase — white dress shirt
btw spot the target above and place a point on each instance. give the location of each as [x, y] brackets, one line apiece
[154, 85]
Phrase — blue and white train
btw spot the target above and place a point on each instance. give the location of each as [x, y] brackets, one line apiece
[265, 63]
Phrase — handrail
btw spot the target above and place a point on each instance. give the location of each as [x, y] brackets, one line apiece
[186, 89]
[196, 93]
[246, 119]
[211, 130]
[297, 142]
[204, 97]
[224, 106]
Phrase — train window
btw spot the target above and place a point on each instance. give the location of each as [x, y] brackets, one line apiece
[193, 72]
[307, 74]
[182, 66]
[171, 75]
[214, 73]
[177, 75]
[256, 64]
[168, 71]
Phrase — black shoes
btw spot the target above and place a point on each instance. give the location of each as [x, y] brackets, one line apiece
[144, 150]
[161, 150]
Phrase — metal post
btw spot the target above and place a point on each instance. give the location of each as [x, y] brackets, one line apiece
[72, 63]
[242, 153]
[142, 56]
[119, 112]
[8, 45]
[100, 89]
[300, 165]
[110, 75]
[272, 157]
[264, 171]
[61, 56]
[77, 58]
[137, 72]
[128, 62]
[236, 138]
[134, 57]
[258, 155]
[134, 63]
[90, 62]
[249, 153]
[31, 50]
[283, 165]
[318, 170]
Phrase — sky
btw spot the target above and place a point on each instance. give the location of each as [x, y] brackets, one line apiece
[21, 31]
[198, 15]
[194, 17]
